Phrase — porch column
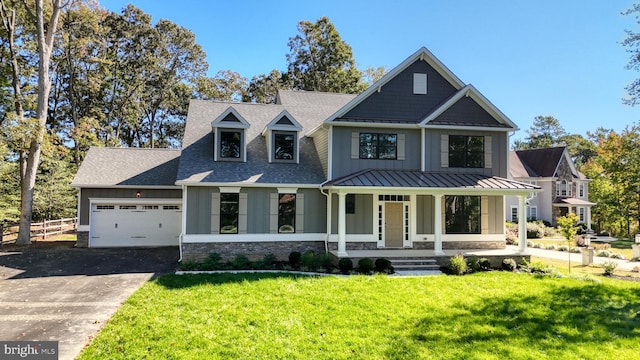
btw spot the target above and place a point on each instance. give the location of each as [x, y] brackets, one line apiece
[342, 224]
[437, 225]
[522, 224]
[588, 215]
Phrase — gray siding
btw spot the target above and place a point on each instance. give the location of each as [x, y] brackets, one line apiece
[361, 221]
[85, 194]
[499, 151]
[199, 210]
[396, 101]
[468, 113]
[321, 142]
[343, 164]
[424, 216]
[496, 214]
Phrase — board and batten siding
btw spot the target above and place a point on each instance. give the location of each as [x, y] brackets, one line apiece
[87, 193]
[346, 146]
[361, 221]
[254, 213]
[424, 214]
[397, 101]
[496, 152]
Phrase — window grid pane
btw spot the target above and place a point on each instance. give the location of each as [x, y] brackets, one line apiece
[230, 144]
[378, 146]
[466, 151]
[287, 213]
[229, 209]
[284, 146]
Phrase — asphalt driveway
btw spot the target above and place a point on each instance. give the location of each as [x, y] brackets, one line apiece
[55, 292]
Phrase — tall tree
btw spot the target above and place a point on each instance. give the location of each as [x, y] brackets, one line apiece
[264, 88]
[319, 60]
[632, 43]
[546, 131]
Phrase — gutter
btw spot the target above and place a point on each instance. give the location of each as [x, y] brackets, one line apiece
[328, 220]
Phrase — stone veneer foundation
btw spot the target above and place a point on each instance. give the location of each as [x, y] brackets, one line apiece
[82, 239]
[253, 250]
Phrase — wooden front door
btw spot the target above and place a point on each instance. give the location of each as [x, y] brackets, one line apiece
[393, 225]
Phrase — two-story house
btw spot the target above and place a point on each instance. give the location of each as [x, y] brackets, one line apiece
[564, 188]
[417, 161]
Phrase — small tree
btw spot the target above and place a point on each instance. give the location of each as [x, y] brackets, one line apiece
[568, 229]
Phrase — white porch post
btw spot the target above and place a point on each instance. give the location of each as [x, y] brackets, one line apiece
[522, 224]
[437, 225]
[588, 215]
[342, 224]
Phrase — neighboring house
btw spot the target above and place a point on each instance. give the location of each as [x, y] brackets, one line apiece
[564, 188]
[417, 161]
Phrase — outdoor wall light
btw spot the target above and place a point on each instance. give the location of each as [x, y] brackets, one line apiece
[138, 194]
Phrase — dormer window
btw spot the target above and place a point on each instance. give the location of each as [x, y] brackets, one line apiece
[230, 144]
[281, 136]
[229, 136]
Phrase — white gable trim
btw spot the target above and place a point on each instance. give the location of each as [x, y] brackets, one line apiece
[217, 122]
[422, 54]
[471, 91]
[273, 125]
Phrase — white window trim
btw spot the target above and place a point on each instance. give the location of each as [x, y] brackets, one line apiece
[513, 207]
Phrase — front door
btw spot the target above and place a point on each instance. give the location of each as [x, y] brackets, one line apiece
[393, 224]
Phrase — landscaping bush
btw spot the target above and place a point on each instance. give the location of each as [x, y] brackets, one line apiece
[365, 266]
[535, 230]
[550, 247]
[383, 266]
[609, 267]
[484, 264]
[582, 228]
[575, 250]
[457, 265]
[325, 262]
[472, 264]
[189, 265]
[563, 248]
[240, 262]
[345, 265]
[509, 264]
[268, 262]
[539, 268]
[529, 244]
[617, 256]
[538, 245]
[294, 258]
[511, 237]
[603, 253]
[212, 262]
[309, 261]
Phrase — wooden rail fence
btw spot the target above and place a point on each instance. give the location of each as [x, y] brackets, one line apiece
[41, 230]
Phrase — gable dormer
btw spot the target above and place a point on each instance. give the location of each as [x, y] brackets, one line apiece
[282, 138]
[229, 136]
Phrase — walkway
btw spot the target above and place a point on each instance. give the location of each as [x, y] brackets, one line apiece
[626, 265]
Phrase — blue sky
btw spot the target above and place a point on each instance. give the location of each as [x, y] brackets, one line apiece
[542, 57]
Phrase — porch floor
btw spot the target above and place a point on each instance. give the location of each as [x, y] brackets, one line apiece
[404, 253]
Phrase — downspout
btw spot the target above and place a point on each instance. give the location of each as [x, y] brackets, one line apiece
[183, 226]
[328, 221]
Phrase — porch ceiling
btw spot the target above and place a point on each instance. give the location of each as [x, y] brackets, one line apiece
[419, 179]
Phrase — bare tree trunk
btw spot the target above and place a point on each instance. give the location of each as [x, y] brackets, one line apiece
[45, 47]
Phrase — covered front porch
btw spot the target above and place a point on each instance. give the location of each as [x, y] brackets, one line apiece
[582, 208]
[426, 214]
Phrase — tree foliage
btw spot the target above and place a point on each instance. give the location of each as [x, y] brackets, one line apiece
[632, 43]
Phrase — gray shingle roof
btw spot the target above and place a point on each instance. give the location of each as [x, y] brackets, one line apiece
[419, 179]
[127, 166]
[308, 108]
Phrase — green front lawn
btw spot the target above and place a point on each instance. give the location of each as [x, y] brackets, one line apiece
[496, 315]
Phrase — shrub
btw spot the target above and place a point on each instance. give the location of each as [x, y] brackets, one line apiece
[563, 248]
[309, 261]
[535, 230]
[538, 246]
[383, 266]
[268, 262]
[472, 264]
[636, 269]
[529, 244]
[539, 268]
[582, 228]
[617, 256]
[484, 264]
[294, 258]
[509, 264]
[604, 253]
[240, 262]
[345, 265]
[189, 265]
[325, 261]
[550, 247]
[511, 237]
[457, 265]
[575, 250]
[609, 267]
[212, 262]
[365, 266]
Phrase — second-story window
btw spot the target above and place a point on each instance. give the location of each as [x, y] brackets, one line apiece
[284, 146]
[466, 151]
[378, 146]
[230, 144]
[563, 188]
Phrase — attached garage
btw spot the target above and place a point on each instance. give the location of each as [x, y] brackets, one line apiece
[122, 223]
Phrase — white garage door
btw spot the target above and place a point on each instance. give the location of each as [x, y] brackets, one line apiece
[134, 225]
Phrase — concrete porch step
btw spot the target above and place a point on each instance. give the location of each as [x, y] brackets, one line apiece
[416, 263]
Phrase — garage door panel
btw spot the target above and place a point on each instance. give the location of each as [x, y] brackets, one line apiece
[130, 225]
